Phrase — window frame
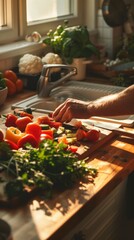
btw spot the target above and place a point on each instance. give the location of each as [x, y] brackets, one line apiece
[43, 28]
[11, 29]
[18, 33]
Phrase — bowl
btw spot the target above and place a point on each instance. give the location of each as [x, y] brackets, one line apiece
[3, 95]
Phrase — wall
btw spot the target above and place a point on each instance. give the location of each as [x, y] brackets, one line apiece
[107, 36]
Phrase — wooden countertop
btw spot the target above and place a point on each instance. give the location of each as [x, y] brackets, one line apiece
[53, 219]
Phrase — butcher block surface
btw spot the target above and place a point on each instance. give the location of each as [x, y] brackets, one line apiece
[54, 218]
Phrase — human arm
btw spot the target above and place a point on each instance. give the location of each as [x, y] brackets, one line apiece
[121, 103]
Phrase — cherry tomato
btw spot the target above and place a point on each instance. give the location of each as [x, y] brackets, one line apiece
[48, 132]
[28, 138]
[55, 124]
[22, 122]
[81, 134]
[93, 135]
[19, 85]
[1, 135]
[45, 136]
[10, 120]
[11, 87]
[34, 129]
[12, 145]
[10, 75]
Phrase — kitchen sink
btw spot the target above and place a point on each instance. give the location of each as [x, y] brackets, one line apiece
[74, 89]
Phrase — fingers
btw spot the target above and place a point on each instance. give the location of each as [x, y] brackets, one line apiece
[62, 112]
[71, 108]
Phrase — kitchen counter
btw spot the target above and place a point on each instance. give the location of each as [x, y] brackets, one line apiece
[54, 219]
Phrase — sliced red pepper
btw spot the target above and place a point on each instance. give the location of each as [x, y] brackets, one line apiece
[45, 136]
[34, 129]
[49, 132]
[25, 114]
[28, 138]
[11, 144]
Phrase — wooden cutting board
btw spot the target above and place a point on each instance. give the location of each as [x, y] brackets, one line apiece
[87, 148]
[84, 151]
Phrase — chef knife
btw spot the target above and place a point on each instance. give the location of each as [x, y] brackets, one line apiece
[109, 126]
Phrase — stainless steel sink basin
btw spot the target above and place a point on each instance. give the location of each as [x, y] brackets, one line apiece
[74, 89]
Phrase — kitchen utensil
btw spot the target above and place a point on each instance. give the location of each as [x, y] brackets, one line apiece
[125, 121]
[109, 126]
[114, 12]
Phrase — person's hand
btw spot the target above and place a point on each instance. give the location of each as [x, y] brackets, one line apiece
[71, 108]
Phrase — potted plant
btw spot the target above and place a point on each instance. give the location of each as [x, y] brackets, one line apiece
[71, 44]
[3, 89]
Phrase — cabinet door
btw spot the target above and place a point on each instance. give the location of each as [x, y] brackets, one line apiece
[105, 221]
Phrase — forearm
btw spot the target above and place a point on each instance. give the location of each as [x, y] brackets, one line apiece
[117, 104]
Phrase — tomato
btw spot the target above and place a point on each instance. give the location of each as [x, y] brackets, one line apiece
[28, 138]
[45, 136]
[22, 122]
[10, 120]
[73, 148]
[1, 135]
[11, 87]
[19, 85]
[12, 145]
[43, 120]
[80, 134]
[34, 129]
[48, 132]
[93, 135]
[10, 75]
[55, 124]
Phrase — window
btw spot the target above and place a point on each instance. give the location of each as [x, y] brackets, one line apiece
[47, 10]
[21, 17]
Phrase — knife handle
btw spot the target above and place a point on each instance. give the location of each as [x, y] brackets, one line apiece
[121, 131]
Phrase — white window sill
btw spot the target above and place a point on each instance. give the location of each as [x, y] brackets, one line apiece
[18, 48]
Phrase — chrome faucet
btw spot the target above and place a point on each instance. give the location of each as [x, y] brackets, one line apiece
[45, 86]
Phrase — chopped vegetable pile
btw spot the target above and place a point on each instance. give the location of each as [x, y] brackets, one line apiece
[41, 154]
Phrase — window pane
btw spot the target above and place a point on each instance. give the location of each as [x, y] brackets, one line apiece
[38, 10]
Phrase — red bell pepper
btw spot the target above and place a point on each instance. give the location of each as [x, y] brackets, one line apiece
[12, 145]
[22, 122]
[34, 129]
[10, 120]
[28, 138]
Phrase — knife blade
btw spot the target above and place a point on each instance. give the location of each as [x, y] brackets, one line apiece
[109, 126]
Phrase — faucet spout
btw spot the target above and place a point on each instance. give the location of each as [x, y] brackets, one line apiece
[45, 86]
